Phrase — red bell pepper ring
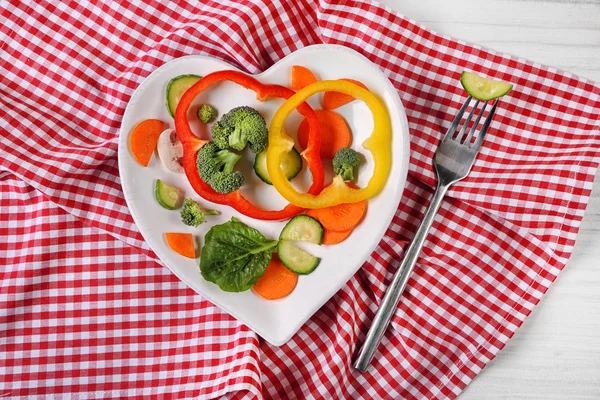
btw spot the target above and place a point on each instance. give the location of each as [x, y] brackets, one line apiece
[191, 144]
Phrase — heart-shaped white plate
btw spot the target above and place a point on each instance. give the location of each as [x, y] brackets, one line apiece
[278, 320]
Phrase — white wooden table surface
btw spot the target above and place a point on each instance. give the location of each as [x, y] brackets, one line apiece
[556, 353]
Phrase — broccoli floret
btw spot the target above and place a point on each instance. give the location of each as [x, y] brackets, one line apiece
[225, 183]
[206, 113]
[215, 167]
[193, 215]
[220, 134]
[344, 162]
[240, 126]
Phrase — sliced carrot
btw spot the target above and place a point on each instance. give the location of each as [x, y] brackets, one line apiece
[143, 139]
[342, 217]
[301, 77]
[333, 100]
[277, 282]
[182, 243]
[335, 133]
[329, 236]
[333, 237]
[314, 213]
[339, 221]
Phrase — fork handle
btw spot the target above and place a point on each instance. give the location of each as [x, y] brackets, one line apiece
[392, 295]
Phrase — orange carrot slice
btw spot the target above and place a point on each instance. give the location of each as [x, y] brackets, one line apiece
[143, 139]
[335, 133]
[340, 218]
[277, 282]
[333, 237]
[182, 243]
[313, 213]
[329, 236]
[301, 77]
[333, 100]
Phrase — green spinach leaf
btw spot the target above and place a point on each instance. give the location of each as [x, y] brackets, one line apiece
[234, 255]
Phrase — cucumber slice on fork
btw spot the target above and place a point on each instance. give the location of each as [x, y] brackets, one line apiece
[483, 89]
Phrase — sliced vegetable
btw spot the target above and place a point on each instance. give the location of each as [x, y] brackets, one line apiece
[296, 259]
[206, 113]
[333, 100]
[342, 217]
[329, 236]
[333, 237]
[191, 145]
[379, 144]
[235, 256]
[277, 282]
[182, 243]
[291, 164]
[192, 214]
[482, 88]
[168, 197]
[176, 88]
[143, 139]
[170, 151]
[335, 133]
[303, 228]
[301, 77]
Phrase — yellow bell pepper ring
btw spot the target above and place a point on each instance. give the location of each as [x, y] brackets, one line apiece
[379, 144]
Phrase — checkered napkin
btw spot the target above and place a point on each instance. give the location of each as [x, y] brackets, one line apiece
[87, 310]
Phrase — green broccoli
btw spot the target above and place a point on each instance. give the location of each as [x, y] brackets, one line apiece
[215, 167]
[206, 113]
[344, 162]
[240, 126]
[225, 183]
[220, 134]
[193, 215]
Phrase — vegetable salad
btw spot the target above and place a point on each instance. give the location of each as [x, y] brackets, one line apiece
[235, 256]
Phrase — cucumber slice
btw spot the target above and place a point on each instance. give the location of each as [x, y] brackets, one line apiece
[296, 259]
[483, 89]
[167, 196]
[176, 88]
[303, 228]
[291, 164]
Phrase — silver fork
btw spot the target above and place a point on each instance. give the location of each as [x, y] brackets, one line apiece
[452, 161]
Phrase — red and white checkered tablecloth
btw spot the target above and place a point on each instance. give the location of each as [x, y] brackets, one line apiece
[86, 309]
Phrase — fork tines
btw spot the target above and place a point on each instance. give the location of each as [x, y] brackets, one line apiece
[460, 137]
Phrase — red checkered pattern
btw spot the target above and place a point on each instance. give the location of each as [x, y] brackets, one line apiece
[87, 311]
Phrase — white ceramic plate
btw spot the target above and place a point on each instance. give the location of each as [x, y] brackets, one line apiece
[276, 321]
